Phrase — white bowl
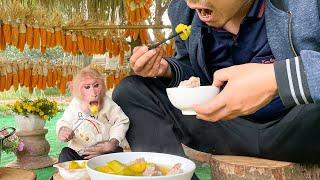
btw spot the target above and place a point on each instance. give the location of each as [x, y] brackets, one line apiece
[72, 174]
[169, 160]
[184, 98]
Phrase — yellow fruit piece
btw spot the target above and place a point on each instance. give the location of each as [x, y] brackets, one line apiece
[164, 170]
[74, 165]
[186, 30]
[116, 166]
[84, 164]
[127, 172]
[138, 167]
[104, 169]
[94, 109]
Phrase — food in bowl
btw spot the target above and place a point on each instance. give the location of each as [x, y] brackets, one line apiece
[73, 170]
[190, 83]
[139, 167]
[175, 167]
[190, 93]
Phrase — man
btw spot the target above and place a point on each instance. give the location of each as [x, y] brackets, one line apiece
[264, 54]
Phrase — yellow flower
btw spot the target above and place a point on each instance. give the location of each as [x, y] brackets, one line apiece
[45, 117]
[41, 113]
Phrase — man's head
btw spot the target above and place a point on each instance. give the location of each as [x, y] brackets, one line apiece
[89, 87]
[216, 13]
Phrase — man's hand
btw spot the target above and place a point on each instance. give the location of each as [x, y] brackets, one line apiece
[248, 88]
[65, 134]
[101, 148]
[149, 63]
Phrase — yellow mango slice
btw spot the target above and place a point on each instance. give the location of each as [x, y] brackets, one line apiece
[138, 167]
[74, 165]
[94, 109]
[186, 30]
[84, 164]
[116, 166]
[104, 169]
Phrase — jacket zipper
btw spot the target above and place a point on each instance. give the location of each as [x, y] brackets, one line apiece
[290, 34]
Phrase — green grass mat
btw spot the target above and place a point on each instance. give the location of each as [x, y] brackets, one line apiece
[203, 172]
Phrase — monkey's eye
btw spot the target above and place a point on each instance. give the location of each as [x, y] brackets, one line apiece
[96, 85]
[87, 86]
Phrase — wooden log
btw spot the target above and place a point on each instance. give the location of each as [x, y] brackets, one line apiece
[16, 174]
[240, 168]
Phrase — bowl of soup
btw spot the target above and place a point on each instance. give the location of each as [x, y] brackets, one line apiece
[140, 166]
[184, 98]
[73, 170]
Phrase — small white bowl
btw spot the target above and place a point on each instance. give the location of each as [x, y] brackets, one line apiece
[184, 98]
[169, 160]
[72, 174]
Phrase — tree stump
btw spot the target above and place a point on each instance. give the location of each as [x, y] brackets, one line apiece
[240, 168]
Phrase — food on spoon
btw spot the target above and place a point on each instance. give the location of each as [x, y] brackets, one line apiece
[186, 30]
[190, 83]
[94, 109]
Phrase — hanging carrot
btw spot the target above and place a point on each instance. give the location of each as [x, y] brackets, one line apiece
[36, 37]
[143, 13]
[3, 78]
[54, 77]
[40, 76]
[22, 37]
[80, 42]
[137, 13]
[29, 36]
[44, 76]
[49, 36]
[9, 76]
[21, 72]
[35, 76]
[15, 34]
[63, 40]
[15, 76]
[101, 45]
[68, 42]
[27, 75]
[7, 32]
[57, 34]
[43, 49]
[69, 73]
[86, 43]
[53, 42]
[43, 34]
[50, 74]
[2, 40]
[74, 44]
[63, 82]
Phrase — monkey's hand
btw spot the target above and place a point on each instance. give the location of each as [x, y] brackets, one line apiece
[65, 134]
[101, 148]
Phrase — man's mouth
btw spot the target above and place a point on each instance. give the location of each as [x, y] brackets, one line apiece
[205, 15]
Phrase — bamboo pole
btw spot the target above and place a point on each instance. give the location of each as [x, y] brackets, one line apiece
[83, 28]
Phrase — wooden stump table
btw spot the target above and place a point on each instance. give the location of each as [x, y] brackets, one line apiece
[16, 174]
[240, 168]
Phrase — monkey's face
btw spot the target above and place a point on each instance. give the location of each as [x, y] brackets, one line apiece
[91, 93]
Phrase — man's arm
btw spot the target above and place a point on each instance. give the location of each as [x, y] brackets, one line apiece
[298, 79]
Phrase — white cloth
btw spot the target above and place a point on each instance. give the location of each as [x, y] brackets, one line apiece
[111, 122]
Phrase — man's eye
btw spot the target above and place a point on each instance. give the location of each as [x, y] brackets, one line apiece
[87, 87]
[96, 85]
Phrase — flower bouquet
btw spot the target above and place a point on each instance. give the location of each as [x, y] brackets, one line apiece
[41, 107]
[32, 114]
[9, 142]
